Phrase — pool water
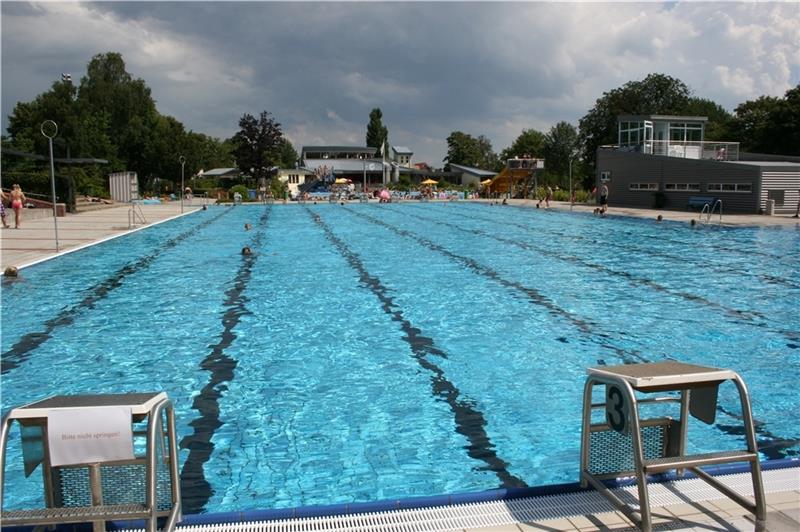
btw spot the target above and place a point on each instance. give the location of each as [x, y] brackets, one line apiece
[367, 352]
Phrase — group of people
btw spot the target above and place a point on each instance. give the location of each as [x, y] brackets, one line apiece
[17, 203]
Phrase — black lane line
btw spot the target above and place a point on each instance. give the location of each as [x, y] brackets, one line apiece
[470, 422]
[770, 279]
[773, 446]
[533, 295]
[195, 489]
[742, 317]
[21, 350]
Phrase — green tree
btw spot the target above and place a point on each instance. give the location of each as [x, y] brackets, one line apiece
[560, 145]
[487, 158]
[463, 148]
[718, 118]
[530, 143]
[656, 94]
[285, 154]
[129, 109]
[377, 133]
[256, 144]
[768, 124]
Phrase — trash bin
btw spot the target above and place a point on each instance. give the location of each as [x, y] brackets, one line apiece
[770, 210]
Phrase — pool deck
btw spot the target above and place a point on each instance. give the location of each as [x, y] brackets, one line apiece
[730, 220]
[35, 240]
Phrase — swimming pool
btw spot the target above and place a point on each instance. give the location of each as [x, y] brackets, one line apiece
[367, 352]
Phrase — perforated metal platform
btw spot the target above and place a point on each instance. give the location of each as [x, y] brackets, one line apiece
[478, 515]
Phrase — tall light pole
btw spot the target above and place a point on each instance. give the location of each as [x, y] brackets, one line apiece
[572, 155]
[182, 160]
[50, 129]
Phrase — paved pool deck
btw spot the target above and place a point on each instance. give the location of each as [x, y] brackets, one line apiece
[729, 220]
[35, 240]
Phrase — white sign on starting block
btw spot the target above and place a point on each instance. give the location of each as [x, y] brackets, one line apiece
[89, 435]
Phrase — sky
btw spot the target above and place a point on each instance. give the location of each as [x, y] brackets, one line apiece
[490, 68]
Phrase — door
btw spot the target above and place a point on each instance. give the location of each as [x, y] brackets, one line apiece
[648, 137]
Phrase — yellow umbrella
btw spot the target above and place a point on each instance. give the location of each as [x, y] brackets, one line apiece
[429, 182]
[486, 182]
[342, 181]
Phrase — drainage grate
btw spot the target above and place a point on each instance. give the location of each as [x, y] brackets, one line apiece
[497, 513]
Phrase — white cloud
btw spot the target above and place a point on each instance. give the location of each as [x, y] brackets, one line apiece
[483, 68]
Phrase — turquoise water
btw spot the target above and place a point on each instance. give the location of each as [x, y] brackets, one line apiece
[388, 351]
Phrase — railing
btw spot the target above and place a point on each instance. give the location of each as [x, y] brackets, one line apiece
[717, 151]
[134, 213]
[709, 210]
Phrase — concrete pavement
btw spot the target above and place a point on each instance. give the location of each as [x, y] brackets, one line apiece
[35, 241]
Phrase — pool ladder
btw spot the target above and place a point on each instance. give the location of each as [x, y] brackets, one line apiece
[135, 213]
[709, 211]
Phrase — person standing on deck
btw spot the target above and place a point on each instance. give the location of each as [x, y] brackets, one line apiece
[603, 198]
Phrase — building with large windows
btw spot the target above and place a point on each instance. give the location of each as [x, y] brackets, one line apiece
[665, 162]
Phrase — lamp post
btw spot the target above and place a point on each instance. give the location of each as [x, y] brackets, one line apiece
[48, 126]
[364, 179]
[572, 155]
[182, 160]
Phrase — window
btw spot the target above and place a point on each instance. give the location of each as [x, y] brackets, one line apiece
[730, 187]
[605, 176]
[682, 187]
[776, 195]
[643, 186]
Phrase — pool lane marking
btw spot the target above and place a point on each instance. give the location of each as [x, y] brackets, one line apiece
[21, 350]
[470, 422]
[743, 317]
[533, 295]
[195, 489]
[770, 279]
[776, 445]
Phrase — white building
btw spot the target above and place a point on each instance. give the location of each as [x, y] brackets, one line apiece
[402, 156]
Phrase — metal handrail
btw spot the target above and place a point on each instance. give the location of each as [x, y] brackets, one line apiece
[711, 211]
[133, 215]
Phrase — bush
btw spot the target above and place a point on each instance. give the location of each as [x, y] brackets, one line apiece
[241, 189]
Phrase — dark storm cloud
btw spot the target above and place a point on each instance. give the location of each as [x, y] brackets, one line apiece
[483, 68]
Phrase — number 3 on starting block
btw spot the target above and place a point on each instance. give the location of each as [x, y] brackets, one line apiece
[617, 409]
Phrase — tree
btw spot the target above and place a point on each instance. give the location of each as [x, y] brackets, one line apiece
[768, 124]
[377, 133]
[462, 148]
[127, 105]
[656, 94]
[718, 118]
[487, 158]
[285, 155]
[530, 143]
[256, 144]
[560, 146]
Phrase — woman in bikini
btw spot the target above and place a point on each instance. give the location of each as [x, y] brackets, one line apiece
[17, 202]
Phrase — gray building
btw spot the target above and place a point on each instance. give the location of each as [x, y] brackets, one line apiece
[664, 161]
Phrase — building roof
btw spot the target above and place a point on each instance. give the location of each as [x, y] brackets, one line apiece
[341, 166]
[216, 172]
[402, 150]
[339, 149]
[662, 118]
[295, 170]
[474, 171]
[770, 164]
